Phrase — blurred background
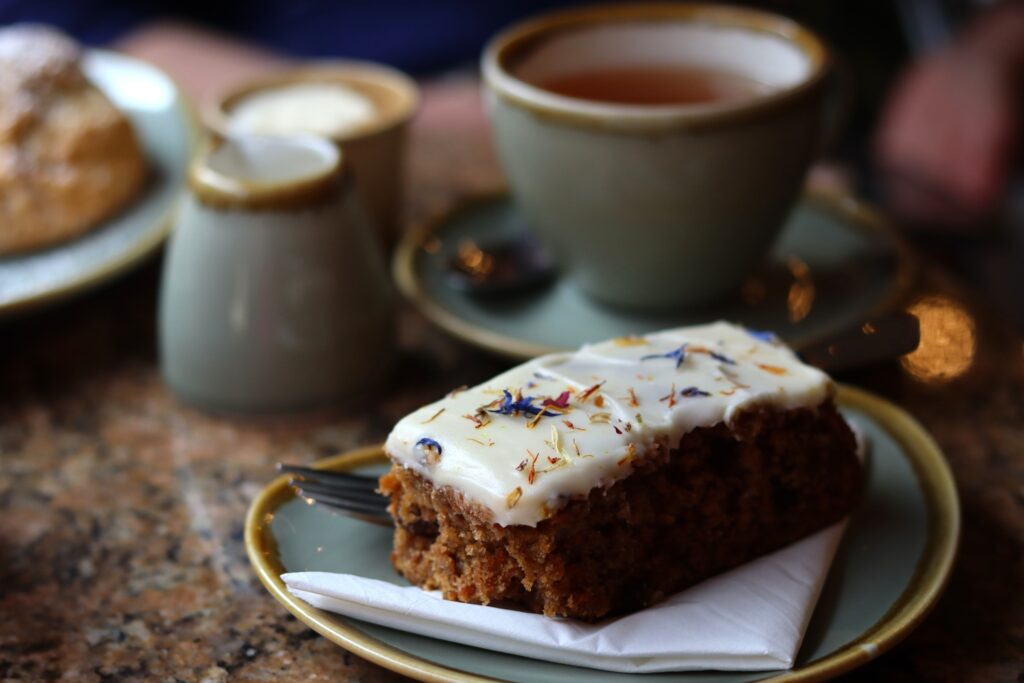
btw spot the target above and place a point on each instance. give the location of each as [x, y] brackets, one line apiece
[121, 544]
[931, 90]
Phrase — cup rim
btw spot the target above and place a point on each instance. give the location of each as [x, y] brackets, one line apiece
[216, 114]
[509, 44]
[219, 190]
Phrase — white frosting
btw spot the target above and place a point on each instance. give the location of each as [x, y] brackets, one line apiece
[643, 397]
[326, 109]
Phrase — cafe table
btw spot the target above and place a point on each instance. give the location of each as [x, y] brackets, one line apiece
[122, 509]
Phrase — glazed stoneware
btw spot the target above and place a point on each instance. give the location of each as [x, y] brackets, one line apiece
[373, 152]
[274, 292]
[656, 206]
[836, 263]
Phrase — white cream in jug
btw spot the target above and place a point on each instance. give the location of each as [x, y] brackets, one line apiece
[326, 109]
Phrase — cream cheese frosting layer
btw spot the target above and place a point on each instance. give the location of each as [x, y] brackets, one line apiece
[525, 442]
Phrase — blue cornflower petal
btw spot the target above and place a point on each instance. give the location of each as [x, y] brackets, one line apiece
[678, 355]
[763, 335]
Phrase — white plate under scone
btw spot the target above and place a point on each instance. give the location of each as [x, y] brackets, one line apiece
[168, 133]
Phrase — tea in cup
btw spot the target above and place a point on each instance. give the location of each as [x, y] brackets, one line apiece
[656, 149]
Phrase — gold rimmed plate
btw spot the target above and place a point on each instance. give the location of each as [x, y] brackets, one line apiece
[836, 263]
[890, 570]
[168, 133]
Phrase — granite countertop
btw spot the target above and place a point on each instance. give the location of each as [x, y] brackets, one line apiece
[121, 551]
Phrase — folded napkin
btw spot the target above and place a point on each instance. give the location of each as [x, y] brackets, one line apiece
[750, 618]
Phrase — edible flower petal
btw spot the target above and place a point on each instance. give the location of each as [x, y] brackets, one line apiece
[431, 449]
[519, 404]
[764, 335]
[678, 355]
[561, 402]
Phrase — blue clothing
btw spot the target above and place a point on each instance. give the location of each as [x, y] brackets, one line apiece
[419, 37]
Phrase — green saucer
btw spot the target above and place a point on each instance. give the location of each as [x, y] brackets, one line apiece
[892, 565]
[166, 128]
[835, 264]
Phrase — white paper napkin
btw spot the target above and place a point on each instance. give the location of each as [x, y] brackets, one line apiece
[750, 618]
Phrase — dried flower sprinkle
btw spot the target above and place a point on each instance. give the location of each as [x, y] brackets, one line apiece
[531, 474]
[765, 336]
[600, 418]
[561, 458]
[630, 340]
[714, 354]
[678, 355]
[589, 391]
[432, 450]
[556, 443]
[670, 396]
[732, 377]
[773, 369]
[693, 392]
[432, 417]
[572, 426]
[509, 405]
[479, 419]
[633, 400]
[512, 498]
[561, 402]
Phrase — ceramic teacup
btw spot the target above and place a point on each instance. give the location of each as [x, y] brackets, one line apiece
[373, 146]
[656, 205]
[275, 294]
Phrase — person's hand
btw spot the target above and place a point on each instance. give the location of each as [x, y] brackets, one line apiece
[949, 133]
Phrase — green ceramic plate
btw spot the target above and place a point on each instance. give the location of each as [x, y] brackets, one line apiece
[835, 264]
[889, 571]
[168, 133]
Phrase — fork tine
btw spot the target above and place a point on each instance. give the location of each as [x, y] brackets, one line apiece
[362, 495]
[340, 478]
[371, 517]
[344, 502]
[350, 494]
[378, 509]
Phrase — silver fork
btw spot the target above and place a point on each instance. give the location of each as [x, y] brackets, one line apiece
[350, 494]
[880, 338]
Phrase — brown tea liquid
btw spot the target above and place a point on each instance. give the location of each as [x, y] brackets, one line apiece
[655, 85]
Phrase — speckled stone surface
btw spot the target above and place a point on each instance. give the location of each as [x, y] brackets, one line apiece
[121, 510]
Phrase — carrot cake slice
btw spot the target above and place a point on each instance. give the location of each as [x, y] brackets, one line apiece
[597, 482]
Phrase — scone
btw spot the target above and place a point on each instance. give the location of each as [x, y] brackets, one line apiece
[597, 482]
[68, 158]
